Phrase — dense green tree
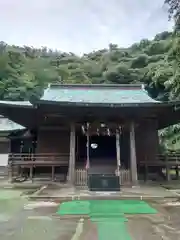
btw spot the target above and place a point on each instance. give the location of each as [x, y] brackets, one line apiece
[174, 10]
[170, 137]
[26, 71]
[174, 53]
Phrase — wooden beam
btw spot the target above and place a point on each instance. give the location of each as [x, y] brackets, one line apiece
[53, 128]
[71, 171]
[133, 160]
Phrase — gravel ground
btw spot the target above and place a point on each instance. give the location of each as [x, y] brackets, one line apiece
[17, 223]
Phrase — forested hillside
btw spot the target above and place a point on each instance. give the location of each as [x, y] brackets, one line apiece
[25, 71]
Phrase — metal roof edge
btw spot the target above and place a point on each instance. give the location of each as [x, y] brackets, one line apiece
[12, 130]
[109, 105]
[94, 86]
[7, 125]
[25, 104]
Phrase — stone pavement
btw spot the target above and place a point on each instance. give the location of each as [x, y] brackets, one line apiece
[23, 219]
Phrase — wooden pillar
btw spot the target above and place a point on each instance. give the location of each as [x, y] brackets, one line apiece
[72, 156]
[31, 173]
[10, 170]
[52, 173]
[145, 168]
[133, 160]
[118, 155]
[87, 148]
[177, 173]
[146, 171]
[168, 175]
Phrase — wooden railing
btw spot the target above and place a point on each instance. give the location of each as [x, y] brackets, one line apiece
[38, 159]
[81, 177]
[163, 160]
[30, 161]
[125, 177]
[19, 161]
[164, 163]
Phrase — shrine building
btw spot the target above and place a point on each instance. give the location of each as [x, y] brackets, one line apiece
[74, 132]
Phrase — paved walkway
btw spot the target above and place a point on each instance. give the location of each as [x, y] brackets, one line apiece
[23, 219]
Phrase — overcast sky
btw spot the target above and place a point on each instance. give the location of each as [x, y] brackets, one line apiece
[80, 25]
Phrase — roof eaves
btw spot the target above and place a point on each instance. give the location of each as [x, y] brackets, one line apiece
[11, 130]
[85, 104]
[6, 125]
[24, 104]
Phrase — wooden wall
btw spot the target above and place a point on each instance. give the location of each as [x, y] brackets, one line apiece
[58, 141]
[4, 145]
[147, 141]
[53, 141]
[4, 151]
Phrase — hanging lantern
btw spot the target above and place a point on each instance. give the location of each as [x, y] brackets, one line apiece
[94, 145]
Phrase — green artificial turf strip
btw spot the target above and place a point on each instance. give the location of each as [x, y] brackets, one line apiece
[106, 207]
[108, 215]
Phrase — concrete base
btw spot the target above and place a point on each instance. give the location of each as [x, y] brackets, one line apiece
[136, 186]
[62, 192]
[71, 193]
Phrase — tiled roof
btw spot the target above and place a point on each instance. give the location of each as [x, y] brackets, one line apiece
[97, 94]
[7, 125]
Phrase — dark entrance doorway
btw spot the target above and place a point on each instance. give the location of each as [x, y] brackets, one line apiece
[102, 151]
[103, 148]
[103, 164]
[103, 160]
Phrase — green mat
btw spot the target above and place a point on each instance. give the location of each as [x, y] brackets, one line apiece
[106, 207]
[107, 214]
[112, 231]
